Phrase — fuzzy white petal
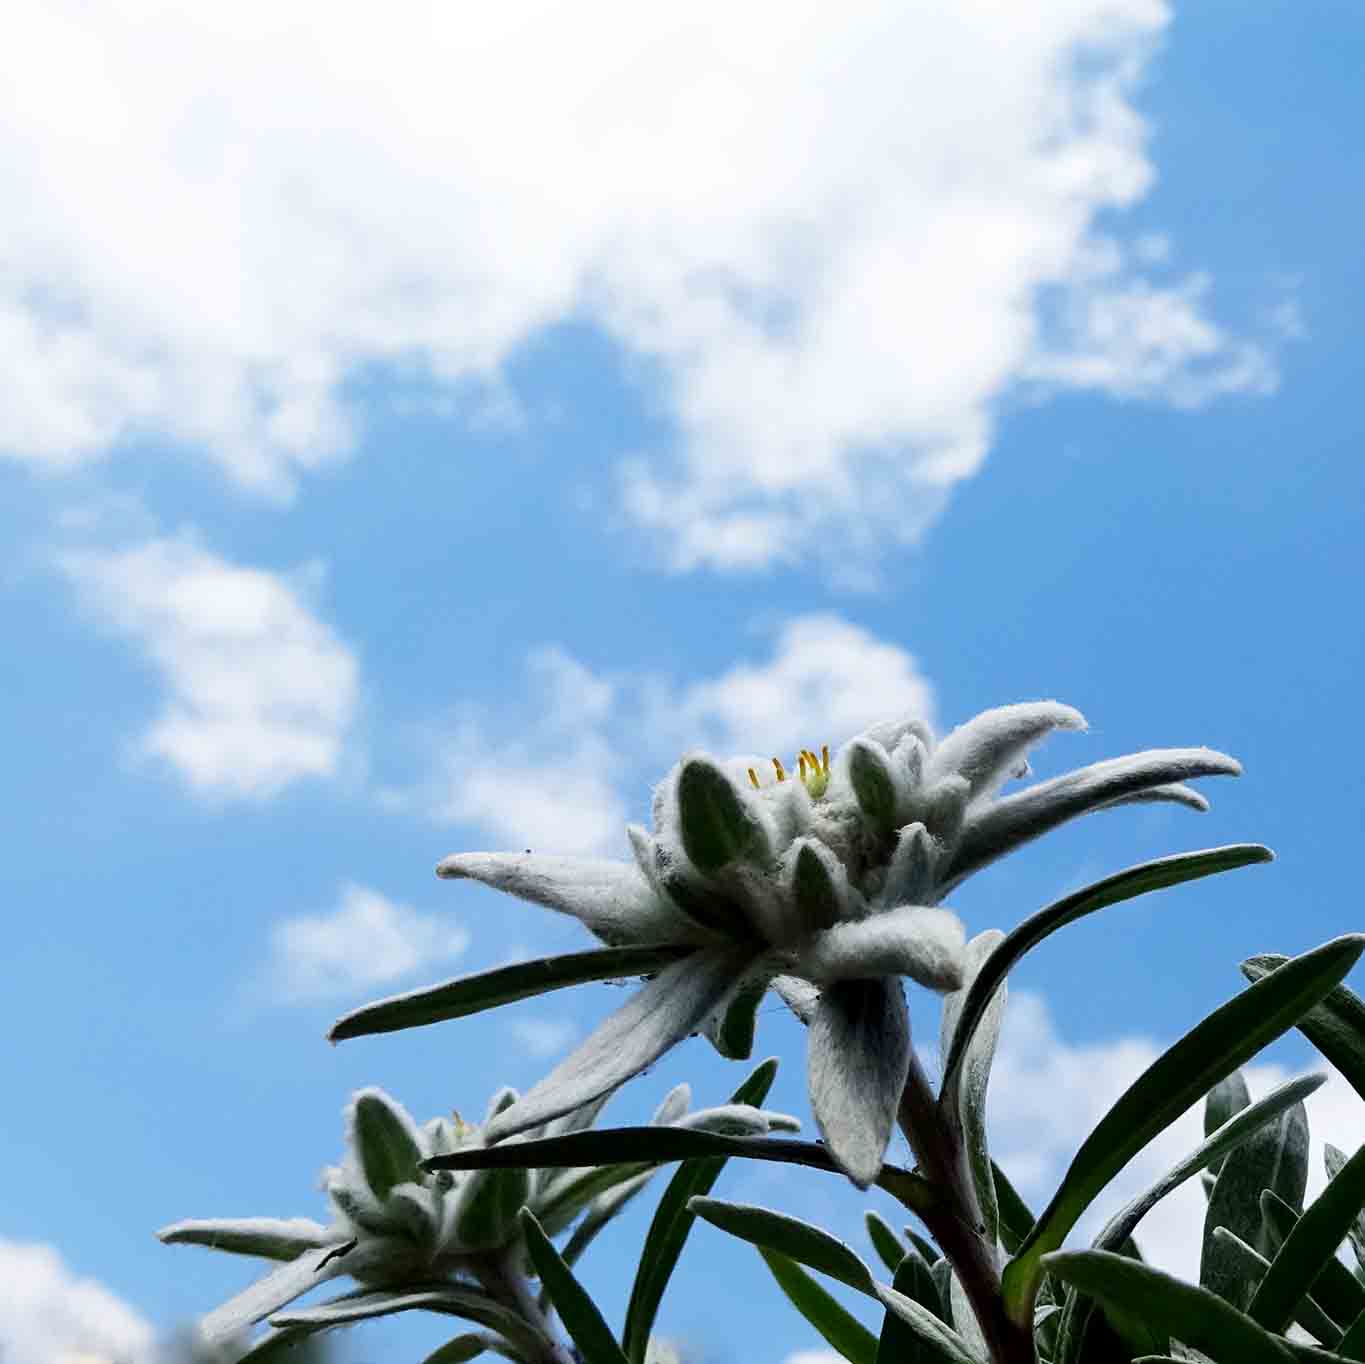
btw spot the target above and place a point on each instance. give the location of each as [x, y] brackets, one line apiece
[922, 943]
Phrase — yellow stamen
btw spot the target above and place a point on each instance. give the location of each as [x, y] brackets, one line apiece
[781, 771]
[801, 765]
[753, 778]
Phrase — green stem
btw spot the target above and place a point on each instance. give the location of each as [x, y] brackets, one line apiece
[505, 1283]
[955, 1221]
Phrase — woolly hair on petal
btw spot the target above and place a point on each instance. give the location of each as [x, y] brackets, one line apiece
[858, 1061]
[613, 900]
[988, 749]
[925, 944]
[661, 1013]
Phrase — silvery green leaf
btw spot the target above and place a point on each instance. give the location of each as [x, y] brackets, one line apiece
[922, 943]
[1226, 1099]
[938, 1340]
[356, 1204]
[483, 990]
[941, 1271]
[1336, 1288]
[818, 886]
[874, 783]
[738, 1120]
[673, 879]
[486, 1207]
[890, 733]
[1000, 826]
[909, 758]
[717, 822]
[1253, 1268]
[989, 748]
[910, 873]
[673, 1106]
[600, 1211]
[1173, 793]
[858, 1060]
[800, 996]
[385, 1141]
[964, 1319]
[266, 1296]
[268, 1237]
[964, 1096]
[943, 808]
[662, 1012]
[1333, 1159]
[839, 1327]
[790, 1236]
[613, 900]
[889, 1247]
[461, 1349]
[418, 1209]
[731, 1025]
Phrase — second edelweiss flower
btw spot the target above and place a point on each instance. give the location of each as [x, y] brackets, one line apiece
[831, 876]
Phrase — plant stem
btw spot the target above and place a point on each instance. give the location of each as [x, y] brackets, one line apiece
[505, 1284]
[957, 1224]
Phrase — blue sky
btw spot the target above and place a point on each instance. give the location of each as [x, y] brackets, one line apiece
[412, 438]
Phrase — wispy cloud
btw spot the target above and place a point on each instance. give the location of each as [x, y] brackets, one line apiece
[544, 1037]
[841, 233]
[259, 691]
[367, 941]
[569, 780]
[49, 1314]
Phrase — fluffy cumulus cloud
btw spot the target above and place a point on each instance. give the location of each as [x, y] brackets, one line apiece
[49, 1314]
[367, 941]
[570, 781]
[259, 691]
[1047, 1094]
[839, 233]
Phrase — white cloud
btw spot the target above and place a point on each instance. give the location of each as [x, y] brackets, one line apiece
[842, 232]
[1047, 1095]
[563, 783]
[814, 1357]
[260, 692]
[51, 1315]
[542, 1037]
[366, 941]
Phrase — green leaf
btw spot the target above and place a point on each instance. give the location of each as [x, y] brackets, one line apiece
[1184, 1311]
[1180, 1077]
[789, 1236]
[384, 1140]
[672, 1222]
[1335, 1025]
[1016, 1218]
[503, 985]
[731, 1029]
[1333, 1159]
[1253, 1270]
[902, 1343]
[814, 890]
[1312, 1242]
[839, 1327]
[935, 1340]
[487, 1205]
[889, 1247]
[267, 1237]
[580, 1315]
[718, 828]
[1336, 1288]
[1225, 1100]
[962, 1099]
[602, 1210]
[1224, 1138]
[1275, 1156]
[460, 1350]
[1123, 885]
[1352, 1344]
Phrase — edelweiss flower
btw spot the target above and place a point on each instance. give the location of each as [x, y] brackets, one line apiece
[824, 880]
[402, 1231]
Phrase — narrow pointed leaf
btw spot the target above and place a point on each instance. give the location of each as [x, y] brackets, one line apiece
[789, 1236]
[270, 1294]
[673, 1221]
[891, 1250]
[859, 1057]
[1225, 1137]
[1227, 1098]
[1274, 1156]
[819, 886]
[503, 985]
[731, 1027]
[1334, 1159]
[839, 1327]
[990, 747]
[1227, 1038]
[613, 900]
[580, 1315]
[460, 1350]
[1335, 1026]
[963, 1102]
[384, 1139]
[869, 771]
[268, 1237]
[1253, 1266]
[662, 1012]
[1123, 885]
[1352, 1344]
[1007, 823]
[935, 1340]
[900, 1342]
[1184, 1311]
[1308, 1247]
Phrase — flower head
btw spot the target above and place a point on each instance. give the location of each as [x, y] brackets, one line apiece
[831, 875]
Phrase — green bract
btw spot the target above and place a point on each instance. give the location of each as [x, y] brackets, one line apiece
[826, 883]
